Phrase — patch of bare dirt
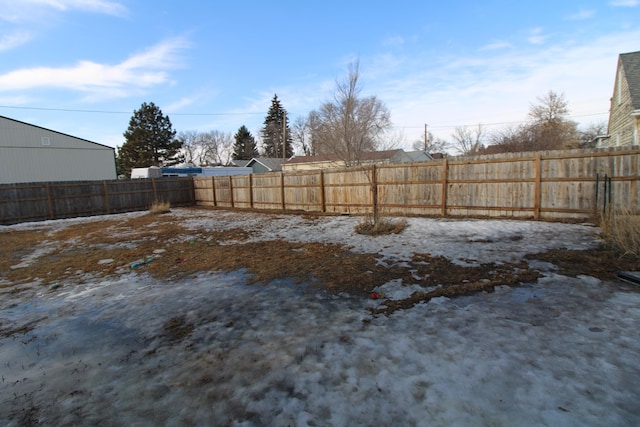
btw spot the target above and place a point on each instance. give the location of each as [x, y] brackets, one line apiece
[603, 262]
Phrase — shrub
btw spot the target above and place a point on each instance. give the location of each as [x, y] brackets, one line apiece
[621, 229]
[160, 207]
[380, 227]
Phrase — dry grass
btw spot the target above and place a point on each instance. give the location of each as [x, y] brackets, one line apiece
[80, 252]
[621, 229]
[159, 207]
[381, 227]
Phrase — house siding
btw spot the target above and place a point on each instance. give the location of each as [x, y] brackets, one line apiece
[623, 124]
[30, 153]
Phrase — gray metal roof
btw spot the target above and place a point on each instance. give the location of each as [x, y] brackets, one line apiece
[271, 163]
[631, 65]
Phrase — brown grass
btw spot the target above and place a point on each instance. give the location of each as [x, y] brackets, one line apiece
[381, 227]
[159, 207]
[621, 229]
[178, 252]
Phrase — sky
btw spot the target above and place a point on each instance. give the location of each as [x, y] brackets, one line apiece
[561, 351]
[82, 67]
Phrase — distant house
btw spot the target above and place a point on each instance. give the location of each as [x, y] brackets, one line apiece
[624, 115]
[265, 164]
[239, 162]
[333, 161]
[30, 153]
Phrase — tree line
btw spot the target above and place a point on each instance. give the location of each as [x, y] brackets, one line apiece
[345, 127]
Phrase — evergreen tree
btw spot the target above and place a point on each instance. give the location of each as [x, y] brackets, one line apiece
[245, 147]
[273, 129]
[149, 141]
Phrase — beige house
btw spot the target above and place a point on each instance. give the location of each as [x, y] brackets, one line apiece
[624, 115]
[325, 161]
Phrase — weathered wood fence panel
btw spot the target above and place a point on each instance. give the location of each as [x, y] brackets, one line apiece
[304, 191]
[55, 200]
[549, 185]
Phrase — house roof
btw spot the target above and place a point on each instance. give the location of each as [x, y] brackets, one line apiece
[418, 156]
[631, 64]
[271, 163]
[55, 131]
[240, 162]
[367, 157]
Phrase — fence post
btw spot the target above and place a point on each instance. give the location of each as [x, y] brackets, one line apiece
[537, 190]
[445, 171]
[49, 200]
[282, 190]
[231, 191]
[597, 185]
[105, 187]
[374, 194]
[251, 191]
[155, 193]
[213, 190]
[323, 207]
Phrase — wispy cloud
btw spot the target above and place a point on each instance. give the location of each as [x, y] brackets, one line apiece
[496, 87]
[393, 41]
[14, 39]
[496, 45]
[15, 11]
[180, 104]
[624, 3]
[96, 80]
[536, 36]
[582, 15]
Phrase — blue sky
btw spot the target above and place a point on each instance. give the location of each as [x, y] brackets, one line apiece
[83, 66]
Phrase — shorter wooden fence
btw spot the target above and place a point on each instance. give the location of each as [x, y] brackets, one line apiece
[55, 200]
[561, 185]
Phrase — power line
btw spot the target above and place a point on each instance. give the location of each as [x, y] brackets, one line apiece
[69, 110]
[494, 124]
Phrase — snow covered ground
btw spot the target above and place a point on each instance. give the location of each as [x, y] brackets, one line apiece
[211, 350]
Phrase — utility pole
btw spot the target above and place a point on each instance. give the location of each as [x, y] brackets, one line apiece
[284, 137]
[425, 138]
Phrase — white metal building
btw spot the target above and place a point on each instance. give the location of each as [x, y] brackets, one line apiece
[31, 153]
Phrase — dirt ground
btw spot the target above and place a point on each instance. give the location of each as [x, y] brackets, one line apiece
[108, 248]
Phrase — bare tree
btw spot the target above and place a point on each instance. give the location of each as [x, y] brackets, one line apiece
[190, 145]
[207, 148]
[589, 134]
[350, 124]
[553, 130]
[301, 135]
[217, 148]
[512, 139]
[468, 141]
[431, 145]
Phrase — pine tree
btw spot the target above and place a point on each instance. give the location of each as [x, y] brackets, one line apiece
[273, 129]
[245, 147]
[149, 141]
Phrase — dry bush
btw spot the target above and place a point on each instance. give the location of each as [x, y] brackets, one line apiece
[621, 229]
[382, 226]
[159, 207]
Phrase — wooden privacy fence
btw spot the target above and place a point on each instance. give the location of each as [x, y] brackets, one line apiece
[550, 185]
[54, 200]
